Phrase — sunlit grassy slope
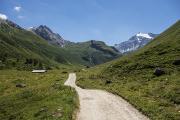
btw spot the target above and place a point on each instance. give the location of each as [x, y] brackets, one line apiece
[132, 76]
[44, 97]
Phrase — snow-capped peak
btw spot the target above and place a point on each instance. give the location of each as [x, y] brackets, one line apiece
[137, 41]
[146, 35]
[30, 27]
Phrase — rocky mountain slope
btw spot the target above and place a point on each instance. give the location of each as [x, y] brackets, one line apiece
[49, 35]
[135, 42]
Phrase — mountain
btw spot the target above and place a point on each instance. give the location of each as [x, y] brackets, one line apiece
[10, 23]
[23, 49]
[135, 42]
[147, 78]
[93, 52]
[49, 35]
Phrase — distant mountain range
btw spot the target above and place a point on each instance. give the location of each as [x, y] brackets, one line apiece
[24, 49]
[45, 46]
[135, 42]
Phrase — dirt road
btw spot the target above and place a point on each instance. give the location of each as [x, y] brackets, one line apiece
[101, 105]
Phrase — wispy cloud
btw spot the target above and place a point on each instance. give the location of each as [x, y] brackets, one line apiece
[20, 16]
[17, 8]
[3, 16]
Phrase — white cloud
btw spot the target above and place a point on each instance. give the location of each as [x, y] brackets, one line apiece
[17, 8]
[20, 16]
[3, 16]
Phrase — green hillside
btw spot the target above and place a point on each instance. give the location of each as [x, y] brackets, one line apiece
[134, 78]
[93, 52]
[24, 50]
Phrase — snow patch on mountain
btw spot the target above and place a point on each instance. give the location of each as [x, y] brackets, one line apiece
[144, 35]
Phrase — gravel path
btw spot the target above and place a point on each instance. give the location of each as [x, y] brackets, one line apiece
[101, 105]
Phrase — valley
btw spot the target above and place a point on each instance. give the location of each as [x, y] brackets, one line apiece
[44, 76]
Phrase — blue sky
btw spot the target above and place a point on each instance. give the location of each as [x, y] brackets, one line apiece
[112, 21]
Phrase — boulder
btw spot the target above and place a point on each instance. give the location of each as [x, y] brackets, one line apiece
[87, 67]
[20, 85]
[64, 72]
[108, 81]
[42, 110]
[159, 72]
[176, 62]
